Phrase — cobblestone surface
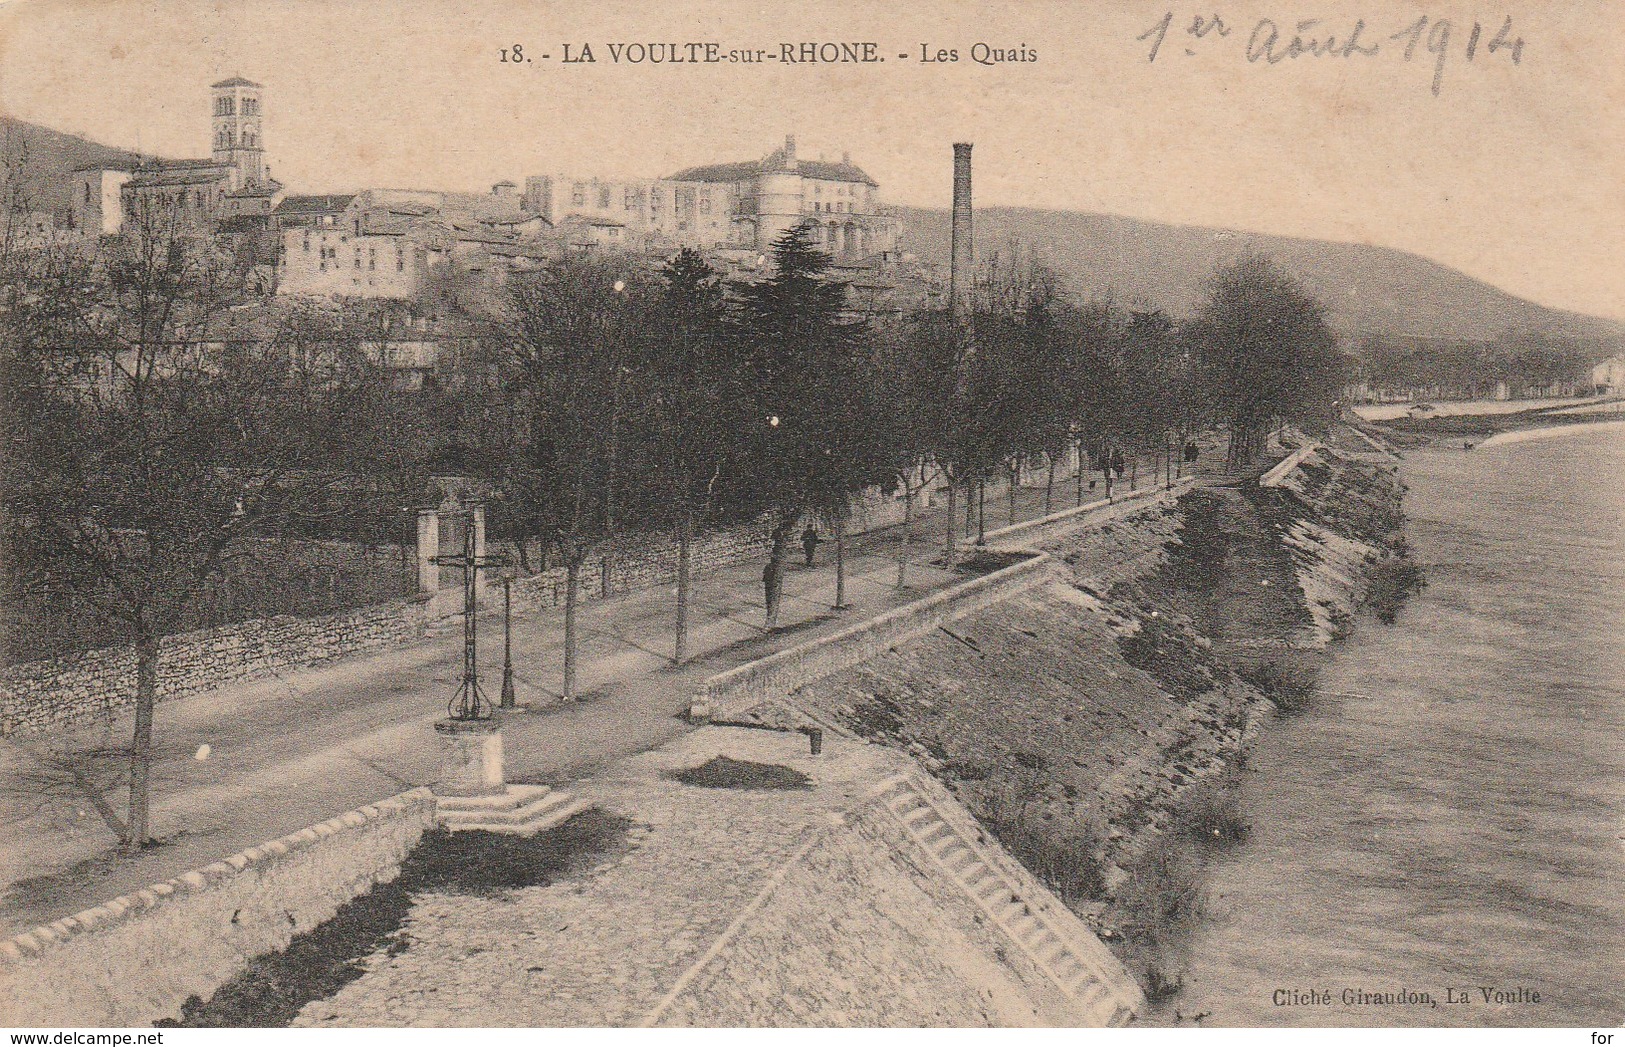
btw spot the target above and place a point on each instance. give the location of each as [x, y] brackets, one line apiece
[851, 932]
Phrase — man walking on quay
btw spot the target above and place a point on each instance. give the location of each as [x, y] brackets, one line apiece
[809, 543]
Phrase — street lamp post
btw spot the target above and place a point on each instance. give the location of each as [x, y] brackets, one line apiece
[507, 699]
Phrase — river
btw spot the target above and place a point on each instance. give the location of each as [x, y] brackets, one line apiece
[1449, 817]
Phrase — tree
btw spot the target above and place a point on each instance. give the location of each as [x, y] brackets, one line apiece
[812, 435]
[695, 410]
[561, 350]
[917, 370]
[1265, 343]
[145, 451]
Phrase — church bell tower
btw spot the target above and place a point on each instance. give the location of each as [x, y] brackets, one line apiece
[238, 141]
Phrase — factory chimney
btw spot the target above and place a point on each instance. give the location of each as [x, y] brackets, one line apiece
[961, 269]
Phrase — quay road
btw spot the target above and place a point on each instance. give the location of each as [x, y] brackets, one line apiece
[291, 750]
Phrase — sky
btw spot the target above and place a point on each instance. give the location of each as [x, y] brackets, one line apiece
[1514, 171]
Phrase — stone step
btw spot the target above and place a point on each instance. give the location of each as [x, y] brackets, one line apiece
[511, 798]
[548, 819]
[919, 817]
[540, 810]
[1069, 967]
[1026, 924]
[517, 815]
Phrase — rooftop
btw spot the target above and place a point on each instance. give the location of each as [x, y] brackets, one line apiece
[314, 204]
[236, 81]
[744, 170]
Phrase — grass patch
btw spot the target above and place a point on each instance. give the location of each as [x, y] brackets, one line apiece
[1167, 649]
[722, 772]
[319, 962]
[1065, 851]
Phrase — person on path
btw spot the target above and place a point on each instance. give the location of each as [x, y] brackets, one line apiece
[809, 543]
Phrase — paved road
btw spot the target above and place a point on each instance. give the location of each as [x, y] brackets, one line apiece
[292, 750]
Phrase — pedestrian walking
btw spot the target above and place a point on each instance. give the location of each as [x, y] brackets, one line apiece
[809, 543]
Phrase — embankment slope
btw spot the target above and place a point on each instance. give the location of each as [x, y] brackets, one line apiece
[1078, 720]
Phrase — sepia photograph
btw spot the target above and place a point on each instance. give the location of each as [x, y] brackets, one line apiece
[736, 514]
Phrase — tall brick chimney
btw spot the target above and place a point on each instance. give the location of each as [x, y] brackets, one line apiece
[961, 270]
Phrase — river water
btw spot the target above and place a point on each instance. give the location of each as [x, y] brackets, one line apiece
[1450, 816]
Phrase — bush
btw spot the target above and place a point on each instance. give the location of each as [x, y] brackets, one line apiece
[1289, 683]
[1211, 811]
[1390, 582]
[1158, 908]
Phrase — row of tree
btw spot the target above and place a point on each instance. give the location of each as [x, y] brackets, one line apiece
[1473, 370]
[152, 432]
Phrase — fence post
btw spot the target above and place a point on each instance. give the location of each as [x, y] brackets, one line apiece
[428, 549]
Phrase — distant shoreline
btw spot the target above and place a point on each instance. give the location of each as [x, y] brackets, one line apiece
[1546, 431]
[1480, 429]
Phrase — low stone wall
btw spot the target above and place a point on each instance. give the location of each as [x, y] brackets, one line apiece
[36, 695]
[137, 958]
[749, 685]
[651, 560]
[1048, 524]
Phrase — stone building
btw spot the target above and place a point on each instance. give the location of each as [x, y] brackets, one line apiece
[97, 207]
[232, 188]
[387, 243]
[745, 205]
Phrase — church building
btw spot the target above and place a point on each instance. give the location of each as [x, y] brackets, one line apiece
[231, 189]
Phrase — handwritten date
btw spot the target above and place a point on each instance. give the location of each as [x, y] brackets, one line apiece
[1270, 43]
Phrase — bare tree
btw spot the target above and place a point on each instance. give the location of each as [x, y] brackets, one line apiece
[145, 450]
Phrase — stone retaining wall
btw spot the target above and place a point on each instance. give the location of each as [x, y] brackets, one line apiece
[37, 695]
[749, 685]
[137, 958]
[651, 560]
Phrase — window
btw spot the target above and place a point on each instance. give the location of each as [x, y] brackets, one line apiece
[372, 258]
[358, 258]
[87, 192]
[307, 243]
[630, 199]
[603, 197]
[705, 205]
[400, 259]
[578, 194]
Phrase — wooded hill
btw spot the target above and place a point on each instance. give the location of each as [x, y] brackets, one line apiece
[1369, 291]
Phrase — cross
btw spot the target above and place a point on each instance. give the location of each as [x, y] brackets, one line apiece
[469, 703]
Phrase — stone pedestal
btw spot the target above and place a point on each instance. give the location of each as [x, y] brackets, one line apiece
[471, 763]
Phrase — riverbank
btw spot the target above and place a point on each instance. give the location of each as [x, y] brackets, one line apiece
[1093, 724]
[1446, 814]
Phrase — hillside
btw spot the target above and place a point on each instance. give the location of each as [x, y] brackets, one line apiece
[51, 158]
[1369, 290]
